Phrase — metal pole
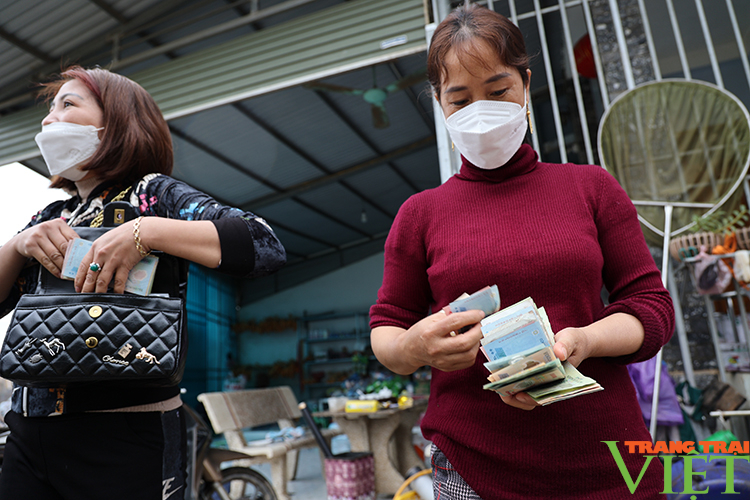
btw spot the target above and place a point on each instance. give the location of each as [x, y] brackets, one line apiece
[740, 44]
[551, 85]
[650, 40]
[709, 44]
[595, 49]
[678, 41]
[576, 83]
[687, 359]
[714, 335]
[742, 333]
[622, 44]
[664, 275]
[534, 137]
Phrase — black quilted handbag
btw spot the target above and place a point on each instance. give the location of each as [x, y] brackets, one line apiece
[58, 337]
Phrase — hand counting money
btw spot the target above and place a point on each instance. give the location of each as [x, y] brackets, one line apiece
[518, 343]
[487, 300]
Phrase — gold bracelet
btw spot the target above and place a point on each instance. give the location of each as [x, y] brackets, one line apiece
[137, 238]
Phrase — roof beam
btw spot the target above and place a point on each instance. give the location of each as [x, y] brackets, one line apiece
[329, 102]
[278, 225]
[304, 155]
[412, 97]
[224, 159]
[114, 13]
[236, 166]
[339, 175]
[26, 47]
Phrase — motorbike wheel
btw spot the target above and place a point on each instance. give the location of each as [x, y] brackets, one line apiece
[243, 483]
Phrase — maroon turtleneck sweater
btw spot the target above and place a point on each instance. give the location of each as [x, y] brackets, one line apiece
[556, 233]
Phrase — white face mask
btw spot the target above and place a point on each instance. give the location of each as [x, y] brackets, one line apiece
[488, 133]
[65, 146]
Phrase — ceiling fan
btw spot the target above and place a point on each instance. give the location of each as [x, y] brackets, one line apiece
[374, 96]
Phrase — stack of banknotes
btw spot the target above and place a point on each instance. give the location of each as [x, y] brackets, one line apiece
[518, 344]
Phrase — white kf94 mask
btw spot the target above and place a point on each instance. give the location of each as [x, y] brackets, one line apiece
[65, 146]
[488, 133]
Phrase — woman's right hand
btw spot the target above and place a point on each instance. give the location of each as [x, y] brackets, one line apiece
[429, 342]
[45, 242]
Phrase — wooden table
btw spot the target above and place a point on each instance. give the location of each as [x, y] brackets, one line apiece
[388, 435]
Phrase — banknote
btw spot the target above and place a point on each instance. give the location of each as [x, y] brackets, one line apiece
[76, 251]
[487, 299]
[517, 341]
[513, 318]
[140, 279]
[537, 376]
[574, 384]
[535, 369]
[518, 344]
[505, 367]
[509, 314]
[568, 395]
[547, 327]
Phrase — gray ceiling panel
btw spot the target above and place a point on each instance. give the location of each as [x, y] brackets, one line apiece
[201, 170]
[227, 130]
[383, 185]
[346, 206]
[297, 245]
[416, 167]
[311, 223]
[292, 111]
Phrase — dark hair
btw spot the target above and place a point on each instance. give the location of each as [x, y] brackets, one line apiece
[462, 28]
[136, 139]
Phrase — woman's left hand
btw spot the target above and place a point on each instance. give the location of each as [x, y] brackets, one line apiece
[116, 255]
[571, 344]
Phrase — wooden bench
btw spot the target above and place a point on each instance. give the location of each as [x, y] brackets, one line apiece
[231, 412]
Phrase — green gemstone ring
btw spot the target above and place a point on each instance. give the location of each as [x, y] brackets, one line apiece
[95, 267]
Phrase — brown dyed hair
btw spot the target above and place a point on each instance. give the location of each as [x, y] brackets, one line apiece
[460, 31]
[136, 139]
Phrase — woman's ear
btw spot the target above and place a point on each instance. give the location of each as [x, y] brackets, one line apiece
[528, 82]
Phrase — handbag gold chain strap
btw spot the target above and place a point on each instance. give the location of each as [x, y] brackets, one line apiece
[99, 219]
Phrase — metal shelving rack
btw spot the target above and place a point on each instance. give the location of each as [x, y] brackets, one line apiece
[337, 330]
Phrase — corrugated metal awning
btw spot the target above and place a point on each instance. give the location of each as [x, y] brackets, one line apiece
[339, 39]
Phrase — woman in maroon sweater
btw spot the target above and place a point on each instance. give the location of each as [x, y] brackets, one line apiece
[556, 233]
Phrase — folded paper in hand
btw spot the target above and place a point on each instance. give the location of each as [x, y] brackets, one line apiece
[140, 279]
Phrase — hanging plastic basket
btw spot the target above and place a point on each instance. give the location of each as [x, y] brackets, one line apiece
[743, 238]
[688, 245]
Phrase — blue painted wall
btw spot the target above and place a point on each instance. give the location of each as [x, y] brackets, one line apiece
[211, 308]
[351, 289]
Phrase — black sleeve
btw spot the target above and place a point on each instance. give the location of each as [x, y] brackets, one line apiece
[237, 248]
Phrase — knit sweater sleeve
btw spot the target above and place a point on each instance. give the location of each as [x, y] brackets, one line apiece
[404, 298]
[630, 273]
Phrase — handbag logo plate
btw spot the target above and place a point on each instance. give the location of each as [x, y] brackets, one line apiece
[91, 342]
